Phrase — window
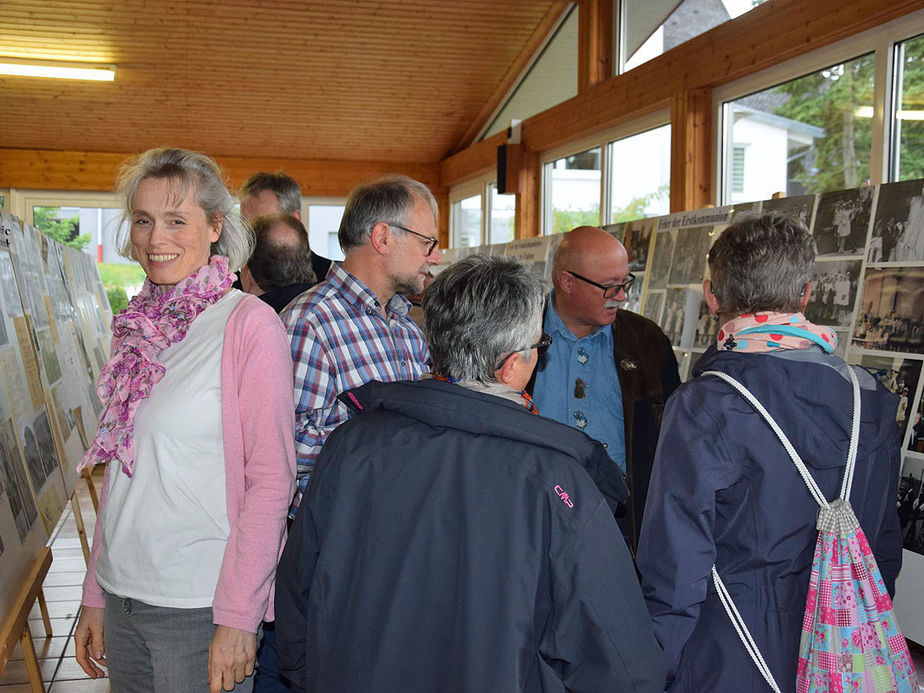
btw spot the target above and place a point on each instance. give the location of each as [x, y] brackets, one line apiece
[501, 215]
[551, 80]
[908, 116]
[651, 27]
[572, 187]
[737, 168]
[465, 222]
[640, 175]
[68, 216]
[808, 134]
[323, 223]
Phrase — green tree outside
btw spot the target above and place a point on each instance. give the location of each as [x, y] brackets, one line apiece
[65, 231]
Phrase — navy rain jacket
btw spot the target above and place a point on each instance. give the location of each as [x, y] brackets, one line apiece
[725, 491]
[451, 541]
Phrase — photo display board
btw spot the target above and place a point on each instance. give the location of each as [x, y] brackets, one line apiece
[868, 285]
[54, 337]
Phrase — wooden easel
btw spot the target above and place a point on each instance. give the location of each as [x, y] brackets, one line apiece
[15, 627]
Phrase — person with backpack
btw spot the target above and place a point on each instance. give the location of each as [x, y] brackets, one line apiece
[724, 491]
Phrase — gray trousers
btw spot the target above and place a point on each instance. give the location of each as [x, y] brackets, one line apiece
[155, 648]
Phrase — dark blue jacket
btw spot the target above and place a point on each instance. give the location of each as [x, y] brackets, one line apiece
[450, 541]
[724, 491]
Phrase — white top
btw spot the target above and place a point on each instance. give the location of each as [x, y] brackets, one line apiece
[164, 530]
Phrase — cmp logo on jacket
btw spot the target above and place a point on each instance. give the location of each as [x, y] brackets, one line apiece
[565, 498]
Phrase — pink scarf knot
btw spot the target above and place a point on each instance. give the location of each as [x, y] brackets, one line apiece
[156, 318]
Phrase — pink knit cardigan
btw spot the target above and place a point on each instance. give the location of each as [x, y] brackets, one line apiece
[258, 430]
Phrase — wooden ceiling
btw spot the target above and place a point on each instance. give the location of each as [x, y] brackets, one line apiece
[371, 80]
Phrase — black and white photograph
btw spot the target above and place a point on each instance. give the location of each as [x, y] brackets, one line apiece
[634, 297]
[911, 503]
[22, 504]
[900, 377]
[898, 228]
[916, 441]
[11, 300]
[706, 326]
[49, 356]
[842, 221]
[800, 207]
[690, 253]
[616, 230]
[39, 450]
[833, 292]
[675, 302]
[654, 301]
[637, 242]
[891, 310]
[661, 262]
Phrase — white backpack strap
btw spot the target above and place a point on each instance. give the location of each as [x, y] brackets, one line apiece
[854, 438]
[743, 633]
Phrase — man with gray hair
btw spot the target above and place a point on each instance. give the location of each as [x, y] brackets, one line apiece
[354, 326]
[473, 551]
[279, 268]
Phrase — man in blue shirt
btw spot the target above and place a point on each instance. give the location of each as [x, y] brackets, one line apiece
[609, 371]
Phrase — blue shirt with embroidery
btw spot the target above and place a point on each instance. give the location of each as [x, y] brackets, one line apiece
[577, 384]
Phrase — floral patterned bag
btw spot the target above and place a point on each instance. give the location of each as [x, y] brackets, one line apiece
[850, 638]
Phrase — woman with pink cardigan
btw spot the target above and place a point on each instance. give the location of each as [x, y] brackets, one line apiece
[197, 437]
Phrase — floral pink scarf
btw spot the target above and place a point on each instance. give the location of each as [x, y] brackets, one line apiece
[153, 320]
[768, 331]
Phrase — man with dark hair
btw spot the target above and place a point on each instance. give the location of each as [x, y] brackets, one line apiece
[276, 193]
[279, 269]
[473, 552]
[609, 371]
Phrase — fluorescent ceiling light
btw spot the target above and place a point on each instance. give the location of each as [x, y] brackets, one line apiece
[98, 73]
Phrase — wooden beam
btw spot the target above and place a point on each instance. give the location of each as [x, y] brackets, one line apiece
[528, 202]
[595, 42]
[59, 170]
[516, 71]
[691, 150]
[477, 159]
[768, 35]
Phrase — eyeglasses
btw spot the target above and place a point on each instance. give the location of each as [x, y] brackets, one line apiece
[544, 341]
[431, 241]
[611, 291]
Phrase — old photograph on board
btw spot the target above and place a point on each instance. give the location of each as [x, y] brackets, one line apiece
[842, 221]
[19, 496]
[661, 261]
[911, 503]
[637, 242]
[690, 253]
[891, 314]
[833, 293]
[898, 227]
[899, 376]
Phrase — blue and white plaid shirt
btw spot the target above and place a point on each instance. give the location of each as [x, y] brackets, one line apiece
[340, 340]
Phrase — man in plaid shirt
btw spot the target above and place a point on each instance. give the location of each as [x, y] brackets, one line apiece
[354, 326]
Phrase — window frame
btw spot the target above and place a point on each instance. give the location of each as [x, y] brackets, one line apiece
[321, 202]
[880, 41]
[603, 139]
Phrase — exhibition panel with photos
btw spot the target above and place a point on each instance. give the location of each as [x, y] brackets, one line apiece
[54, 339]
[868, 286]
